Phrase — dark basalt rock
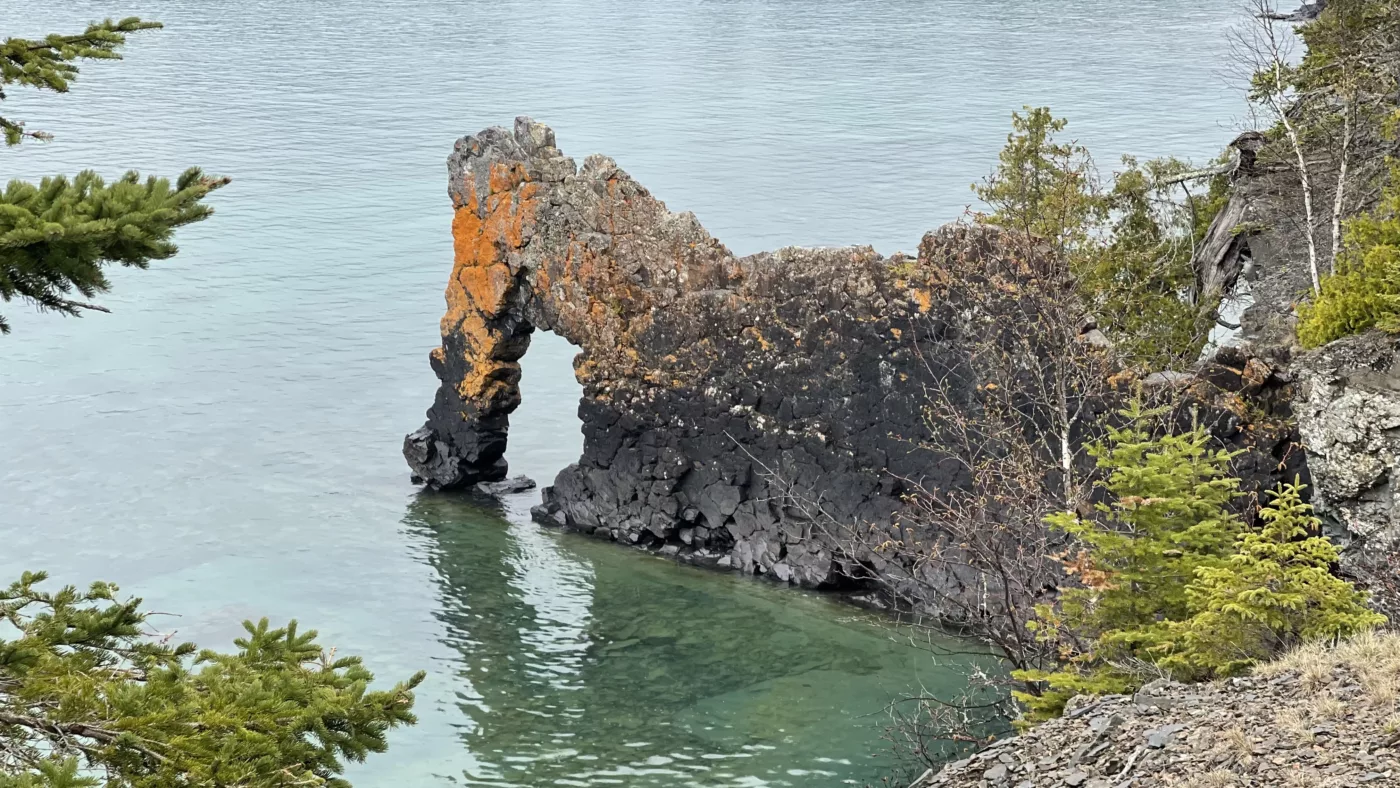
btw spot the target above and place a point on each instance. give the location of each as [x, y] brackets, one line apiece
[717, 389]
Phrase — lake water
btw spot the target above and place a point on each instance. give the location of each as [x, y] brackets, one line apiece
[227, 442]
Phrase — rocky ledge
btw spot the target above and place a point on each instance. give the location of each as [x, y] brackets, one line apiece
[716, 389]
[1320, 717]
[1348, 409]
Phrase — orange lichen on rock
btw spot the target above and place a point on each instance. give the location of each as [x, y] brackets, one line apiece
[482, 282]
[754, 334]
[924, 299]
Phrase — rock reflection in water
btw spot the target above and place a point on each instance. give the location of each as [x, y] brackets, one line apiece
[586, 664]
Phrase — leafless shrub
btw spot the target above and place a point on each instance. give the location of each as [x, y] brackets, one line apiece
[1014, 382]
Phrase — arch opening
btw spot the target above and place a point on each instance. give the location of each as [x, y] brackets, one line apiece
[545, 433]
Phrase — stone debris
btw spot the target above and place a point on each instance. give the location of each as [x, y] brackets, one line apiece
[515, 484]
[1322, 717]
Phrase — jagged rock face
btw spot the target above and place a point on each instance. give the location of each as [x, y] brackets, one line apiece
[715, 387]
[1348, 408]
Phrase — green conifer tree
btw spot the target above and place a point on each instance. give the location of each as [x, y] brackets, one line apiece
[1171, 581]
[56, 236]
[1276, 592]
[1043, 189]
[1167, 519]
[1127, 243]
[87, 698]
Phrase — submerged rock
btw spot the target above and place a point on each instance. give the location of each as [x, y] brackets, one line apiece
[511, 486]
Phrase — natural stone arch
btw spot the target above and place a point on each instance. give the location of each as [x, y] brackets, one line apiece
[714, 387]
[694, 362]
[539, 243]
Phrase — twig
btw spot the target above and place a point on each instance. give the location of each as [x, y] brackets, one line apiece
[1132, 761]
[66, 304]
[1195, 175]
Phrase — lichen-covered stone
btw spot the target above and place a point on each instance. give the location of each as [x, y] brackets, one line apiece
[1348, 410]
[713, 385]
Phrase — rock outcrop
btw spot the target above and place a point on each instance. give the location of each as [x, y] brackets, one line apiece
[1346, 396]
[714, 385]
[1348, 409]
[699, 368]
[1322, 717]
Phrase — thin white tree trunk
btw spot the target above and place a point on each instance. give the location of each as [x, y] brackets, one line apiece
[1338, 202]
[1067, 467]
[1304, 178]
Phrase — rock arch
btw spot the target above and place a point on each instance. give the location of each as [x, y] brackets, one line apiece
[699, 368]
[714, 386]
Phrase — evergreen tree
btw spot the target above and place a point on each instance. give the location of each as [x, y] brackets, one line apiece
[1172, 581]
[56, 237]
[1166, 520]
[1045, 190]
[1127, 242]
[1276, 592]
[88, 699]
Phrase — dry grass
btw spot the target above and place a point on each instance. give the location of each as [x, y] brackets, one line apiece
[1370, 648]
[1294, 721]
[1372, 659]
[1312, 657]
[1375, 660]
[1239, 742]
[1327, 707]
[1381, 687]
[1220, 778]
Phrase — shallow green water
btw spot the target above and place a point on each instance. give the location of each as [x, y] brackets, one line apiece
[584, 664]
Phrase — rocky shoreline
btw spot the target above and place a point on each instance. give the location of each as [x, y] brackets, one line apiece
[1321, 717]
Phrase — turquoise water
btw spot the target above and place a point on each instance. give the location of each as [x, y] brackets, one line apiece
[583, 664]
[226, 443]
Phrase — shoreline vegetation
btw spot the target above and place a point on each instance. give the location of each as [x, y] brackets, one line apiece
[1277, 653]
[1161, 623]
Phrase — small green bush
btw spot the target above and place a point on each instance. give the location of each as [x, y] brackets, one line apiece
[1172, 582]
[1365, 291]
[1276, 592]
[1168, 518]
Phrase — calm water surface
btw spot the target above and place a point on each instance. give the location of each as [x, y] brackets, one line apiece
[227, 443]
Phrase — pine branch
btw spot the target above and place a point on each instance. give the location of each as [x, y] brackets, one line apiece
[60, 731]
[56, 237]
[85, 305]
[50, 63]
